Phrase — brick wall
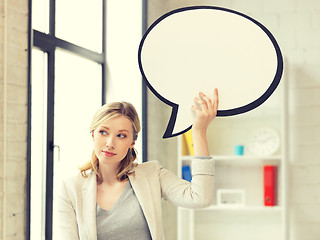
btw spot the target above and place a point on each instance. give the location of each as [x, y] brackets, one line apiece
[13, 117]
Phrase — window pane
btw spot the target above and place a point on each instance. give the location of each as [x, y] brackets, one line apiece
[78, 93]
[38, 143]
[80, 22]
[40, 15]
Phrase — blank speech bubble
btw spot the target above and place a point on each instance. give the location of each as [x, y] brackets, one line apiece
[200, 48]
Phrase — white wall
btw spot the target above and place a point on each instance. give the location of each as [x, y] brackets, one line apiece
[296, 26]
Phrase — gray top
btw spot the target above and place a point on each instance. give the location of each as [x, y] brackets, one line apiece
[125, 220]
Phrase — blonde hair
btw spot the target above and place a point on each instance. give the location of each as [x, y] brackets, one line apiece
[106, 112]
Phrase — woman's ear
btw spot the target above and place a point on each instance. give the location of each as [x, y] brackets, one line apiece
[132, 144]
[92, 135]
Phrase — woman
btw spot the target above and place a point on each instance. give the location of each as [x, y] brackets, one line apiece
[116, 198]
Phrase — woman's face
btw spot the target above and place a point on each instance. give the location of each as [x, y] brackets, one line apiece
[112, 139]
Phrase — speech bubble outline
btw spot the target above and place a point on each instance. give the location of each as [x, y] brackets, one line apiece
[221, 113]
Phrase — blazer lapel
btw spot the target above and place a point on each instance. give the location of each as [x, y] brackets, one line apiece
[142, 189]
[89, 198]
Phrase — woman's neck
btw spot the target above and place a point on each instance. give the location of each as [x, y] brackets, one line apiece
[108, 173]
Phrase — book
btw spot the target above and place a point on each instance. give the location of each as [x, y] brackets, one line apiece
[189, 141]
[186, 173]
[270, 185]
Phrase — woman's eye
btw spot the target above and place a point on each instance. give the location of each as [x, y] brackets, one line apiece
[103, 132]
[122, 136]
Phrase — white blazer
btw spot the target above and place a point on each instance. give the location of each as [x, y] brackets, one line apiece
[76, 202]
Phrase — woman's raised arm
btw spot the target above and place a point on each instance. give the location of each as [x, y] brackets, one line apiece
[205, 110]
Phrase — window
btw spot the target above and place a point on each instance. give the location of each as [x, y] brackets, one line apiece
[66, 87]
[80, 22]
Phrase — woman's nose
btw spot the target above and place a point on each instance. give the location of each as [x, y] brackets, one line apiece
[110, 142]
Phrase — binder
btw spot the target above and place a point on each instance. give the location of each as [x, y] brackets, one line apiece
[270, 185]
[186, 173]
[189, 141]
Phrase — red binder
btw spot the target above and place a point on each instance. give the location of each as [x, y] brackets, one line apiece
[270, 185]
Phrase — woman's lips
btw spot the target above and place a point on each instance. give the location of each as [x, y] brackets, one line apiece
[108, 154]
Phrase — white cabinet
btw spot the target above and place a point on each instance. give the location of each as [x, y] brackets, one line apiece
[253, 220]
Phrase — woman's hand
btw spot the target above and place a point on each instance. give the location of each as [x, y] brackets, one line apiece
[206, 110]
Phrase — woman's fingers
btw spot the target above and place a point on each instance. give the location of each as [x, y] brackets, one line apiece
[195, 109]
[207, 100]
[215, 101]
[205, 110]
[208, 105]
[205, 105]
[204, 102]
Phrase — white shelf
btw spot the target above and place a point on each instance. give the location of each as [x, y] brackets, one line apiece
[246, 159]
[243, 208]
[239, 208]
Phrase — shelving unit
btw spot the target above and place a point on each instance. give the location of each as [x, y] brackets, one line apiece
[253, 220]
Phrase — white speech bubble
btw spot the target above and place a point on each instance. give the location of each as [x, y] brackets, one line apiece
[200, 48]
